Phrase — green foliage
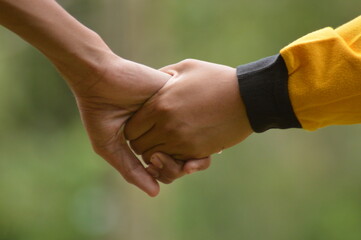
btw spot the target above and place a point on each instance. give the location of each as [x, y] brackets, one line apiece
[277, 185]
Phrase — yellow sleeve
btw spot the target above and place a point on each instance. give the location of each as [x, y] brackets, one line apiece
[324, 70]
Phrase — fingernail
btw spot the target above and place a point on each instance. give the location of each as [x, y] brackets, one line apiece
[153, 172]
[156, 161]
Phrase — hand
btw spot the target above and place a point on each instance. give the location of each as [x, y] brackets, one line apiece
[113, 92]
[197, 113]
[166, 169]
[108, 89]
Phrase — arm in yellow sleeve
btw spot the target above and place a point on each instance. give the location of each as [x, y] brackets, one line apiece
[324, 82]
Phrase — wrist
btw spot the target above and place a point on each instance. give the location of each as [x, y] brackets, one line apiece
[84, 62]
[264, 88]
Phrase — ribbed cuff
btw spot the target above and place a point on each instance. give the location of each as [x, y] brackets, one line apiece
[264, 88]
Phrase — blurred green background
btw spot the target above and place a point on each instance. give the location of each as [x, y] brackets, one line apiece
[277, 185]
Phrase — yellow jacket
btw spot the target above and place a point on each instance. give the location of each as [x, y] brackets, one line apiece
[324, 70]
[314, 82]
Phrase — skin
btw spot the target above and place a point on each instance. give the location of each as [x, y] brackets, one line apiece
[167, 169]
[197, 113]
[108, 89]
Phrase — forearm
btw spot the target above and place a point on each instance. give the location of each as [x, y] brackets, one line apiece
[49, 28]
[314, 82]
[324, 76]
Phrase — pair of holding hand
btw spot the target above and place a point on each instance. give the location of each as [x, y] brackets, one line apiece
[177, 117]
[186, 111]
[196, 113]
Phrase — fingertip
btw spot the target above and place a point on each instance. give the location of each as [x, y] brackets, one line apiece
[135, 173]
[153, 187]
[189, 169]
[149, 185]
[154, 192]
[190, 166]
[196, 165]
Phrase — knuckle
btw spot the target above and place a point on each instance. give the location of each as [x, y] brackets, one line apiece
[187, 62]
[163, 106]
[179, 132]
[172, 132]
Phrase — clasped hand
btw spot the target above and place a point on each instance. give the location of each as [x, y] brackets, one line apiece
[197, 113]
[182, 114]
[175, 118]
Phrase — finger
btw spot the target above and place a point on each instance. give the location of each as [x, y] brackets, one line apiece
[192, 166]
[168, 168]
[123, 159]
[146, 156]
[153, 170]
[140, 123]
[147, 141]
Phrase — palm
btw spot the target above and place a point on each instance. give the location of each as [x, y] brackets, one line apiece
[106, 106]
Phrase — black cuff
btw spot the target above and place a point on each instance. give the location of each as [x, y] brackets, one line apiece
[264, 88]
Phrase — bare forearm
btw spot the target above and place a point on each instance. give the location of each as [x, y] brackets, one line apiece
[108, 89]
[48, 27]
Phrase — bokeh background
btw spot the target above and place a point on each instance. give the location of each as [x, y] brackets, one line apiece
[277, 185]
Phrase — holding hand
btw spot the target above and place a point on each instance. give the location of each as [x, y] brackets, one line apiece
[198, 112]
